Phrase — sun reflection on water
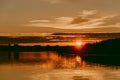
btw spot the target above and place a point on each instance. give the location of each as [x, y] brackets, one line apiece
[53, 66]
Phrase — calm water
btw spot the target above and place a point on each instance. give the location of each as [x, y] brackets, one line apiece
[52, 66]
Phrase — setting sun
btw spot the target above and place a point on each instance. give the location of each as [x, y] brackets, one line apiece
[78, 43]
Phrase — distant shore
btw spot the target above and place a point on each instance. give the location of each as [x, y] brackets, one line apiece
[105, 52]
[109, 47]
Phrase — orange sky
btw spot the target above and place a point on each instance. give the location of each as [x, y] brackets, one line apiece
[34, 16]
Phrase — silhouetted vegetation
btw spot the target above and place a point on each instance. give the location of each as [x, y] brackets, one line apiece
[109, 47]
[104, 52]
[106, 47]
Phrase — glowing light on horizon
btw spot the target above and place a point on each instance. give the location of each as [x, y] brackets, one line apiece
[78, 43]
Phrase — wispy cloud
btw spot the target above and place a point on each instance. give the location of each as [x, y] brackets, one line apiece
[60, 1]
[25, 34]
[54, 1]
[86, 13]
[39, 21]
[64, 19]
[85, 19]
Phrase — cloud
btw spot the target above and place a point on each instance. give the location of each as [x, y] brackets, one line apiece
[64, 19]
[25, 34]
[78, 20]
[39, 21]
[96, 22]
[86, 19]
[89, 12]
[86, 13]
[60, 1]
[84, 16]
[54, 1]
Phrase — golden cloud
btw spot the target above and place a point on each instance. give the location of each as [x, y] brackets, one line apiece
[82, 21]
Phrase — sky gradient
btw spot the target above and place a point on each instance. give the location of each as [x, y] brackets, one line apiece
[34, 16]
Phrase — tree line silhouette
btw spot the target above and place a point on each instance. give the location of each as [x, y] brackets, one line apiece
[104, 52]
[109, 47]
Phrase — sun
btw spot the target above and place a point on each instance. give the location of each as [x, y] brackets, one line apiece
[78, 43]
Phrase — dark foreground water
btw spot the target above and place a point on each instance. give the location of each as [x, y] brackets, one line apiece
[53, 66]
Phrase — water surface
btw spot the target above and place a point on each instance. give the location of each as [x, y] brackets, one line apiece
[53, 66]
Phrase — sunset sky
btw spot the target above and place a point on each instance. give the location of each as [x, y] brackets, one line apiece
[34, 16]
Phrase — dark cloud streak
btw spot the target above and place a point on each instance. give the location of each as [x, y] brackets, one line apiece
[79, 20]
